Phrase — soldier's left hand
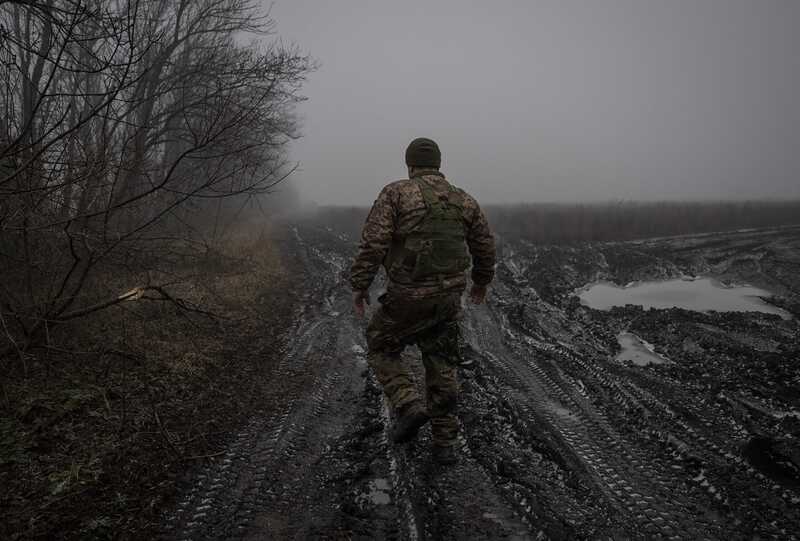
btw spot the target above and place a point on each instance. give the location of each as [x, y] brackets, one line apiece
[359, 299]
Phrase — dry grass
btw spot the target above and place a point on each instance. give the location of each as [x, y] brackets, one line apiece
[97, 426]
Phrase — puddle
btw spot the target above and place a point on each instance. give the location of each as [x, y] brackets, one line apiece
[560, 410]
[637, 351]
[378, 492]
[700, 295]
[773, 458]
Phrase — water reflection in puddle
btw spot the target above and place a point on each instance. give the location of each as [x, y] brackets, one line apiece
[699, 295]
[637, 351]
[379, 492]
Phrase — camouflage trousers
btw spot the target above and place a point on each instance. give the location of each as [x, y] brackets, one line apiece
[432, 324]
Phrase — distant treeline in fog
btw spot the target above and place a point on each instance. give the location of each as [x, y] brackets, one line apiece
[564, 223]
[555, 223]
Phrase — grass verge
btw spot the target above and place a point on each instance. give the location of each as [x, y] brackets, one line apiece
[99, 427]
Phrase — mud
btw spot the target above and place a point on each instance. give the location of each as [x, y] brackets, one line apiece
[559, 439]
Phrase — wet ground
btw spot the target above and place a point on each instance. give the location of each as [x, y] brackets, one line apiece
[559, 439]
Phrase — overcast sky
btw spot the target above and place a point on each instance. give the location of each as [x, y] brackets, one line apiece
[551, 100]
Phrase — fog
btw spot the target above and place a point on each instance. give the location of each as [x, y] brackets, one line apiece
[551, 100]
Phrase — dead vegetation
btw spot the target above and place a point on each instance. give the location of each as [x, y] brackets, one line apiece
[123, 126]
[97, 430]
[130, 322]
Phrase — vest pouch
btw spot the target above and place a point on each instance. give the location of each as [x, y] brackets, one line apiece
[439, 257]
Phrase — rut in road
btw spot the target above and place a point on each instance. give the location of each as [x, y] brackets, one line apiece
[557, 442]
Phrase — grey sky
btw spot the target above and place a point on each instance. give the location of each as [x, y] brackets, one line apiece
[552, 100]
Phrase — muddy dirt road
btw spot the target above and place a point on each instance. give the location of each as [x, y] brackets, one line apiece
[559, 440]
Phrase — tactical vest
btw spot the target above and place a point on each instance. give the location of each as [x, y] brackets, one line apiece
[436, 247]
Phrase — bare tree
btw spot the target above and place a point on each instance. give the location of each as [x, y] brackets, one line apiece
[119, 116]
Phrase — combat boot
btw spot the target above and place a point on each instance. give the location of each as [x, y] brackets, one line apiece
[445, 455]
[408, 424]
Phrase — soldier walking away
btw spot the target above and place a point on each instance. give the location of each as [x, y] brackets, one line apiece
[420, 229]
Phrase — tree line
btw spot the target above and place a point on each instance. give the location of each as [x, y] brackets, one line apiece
[121, 122]
[620, 221]
[559, 223]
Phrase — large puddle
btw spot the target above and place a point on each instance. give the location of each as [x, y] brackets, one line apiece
[637, 351]
[700, 295]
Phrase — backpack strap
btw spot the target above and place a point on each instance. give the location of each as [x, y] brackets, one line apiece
[428, 194]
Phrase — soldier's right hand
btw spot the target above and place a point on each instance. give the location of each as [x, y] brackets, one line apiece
[477, 294]
[359, 298]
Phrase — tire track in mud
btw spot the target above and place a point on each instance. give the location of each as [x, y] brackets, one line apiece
[697, 448]
[557, 441]
[283, 476]
[431, 502]
[230, 493]
[269, 462]
[659, 473]
[637, 486]
[647, 473]
[708, 444]
[461, 501]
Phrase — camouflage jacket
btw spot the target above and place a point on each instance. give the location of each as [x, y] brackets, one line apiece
[398, 209]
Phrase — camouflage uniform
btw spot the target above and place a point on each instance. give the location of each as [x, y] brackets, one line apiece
[424, 313]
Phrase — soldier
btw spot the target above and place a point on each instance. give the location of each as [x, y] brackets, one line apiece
[419, 229]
